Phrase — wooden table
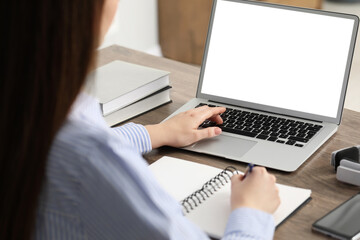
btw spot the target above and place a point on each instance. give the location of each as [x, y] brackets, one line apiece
[315, 174]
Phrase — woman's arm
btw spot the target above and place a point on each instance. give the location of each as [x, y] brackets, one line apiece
[179, 131]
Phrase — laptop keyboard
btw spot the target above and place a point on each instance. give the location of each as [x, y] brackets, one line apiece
[266, 127]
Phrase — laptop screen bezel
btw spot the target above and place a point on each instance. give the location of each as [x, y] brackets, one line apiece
[272, 109]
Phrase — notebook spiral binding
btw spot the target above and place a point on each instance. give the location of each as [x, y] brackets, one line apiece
[211, 186]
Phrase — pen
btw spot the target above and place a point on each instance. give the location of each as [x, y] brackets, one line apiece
[249, 170]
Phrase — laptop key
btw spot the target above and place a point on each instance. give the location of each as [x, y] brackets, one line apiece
[240, 132]
[261, 136]
[272, 139]
[280, 141]
[300, 135]
[313, 129]
[239, 127]
[200, 105]
[248, 129]
[311, 132]
[257, 127]
[265, 132]
[256, 130]
[299, 139]
[298, 145]
[290, 142]
[274, 134]
[283, 136]
[239, 122]
[230, 121]
[267, 124]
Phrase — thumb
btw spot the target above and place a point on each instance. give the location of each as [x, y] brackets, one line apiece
[208, 133]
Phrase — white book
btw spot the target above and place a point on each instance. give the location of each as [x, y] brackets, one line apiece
[156, 99]
[182, 178]
[119, 84]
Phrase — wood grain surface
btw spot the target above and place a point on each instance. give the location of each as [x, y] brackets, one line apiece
[315, 174]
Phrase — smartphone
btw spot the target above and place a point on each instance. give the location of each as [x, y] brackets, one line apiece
[343, 222]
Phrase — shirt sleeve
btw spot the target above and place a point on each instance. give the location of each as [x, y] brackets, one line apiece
[136, 134]
[248, 223]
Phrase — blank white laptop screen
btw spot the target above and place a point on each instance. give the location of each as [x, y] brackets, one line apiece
[276, 57]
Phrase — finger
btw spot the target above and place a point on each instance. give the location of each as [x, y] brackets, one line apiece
[207, 133]
[273, 178]
[204, 109]
[200, 109]
[245, 173]
[236, 178]
[204, 112]
[259, 169]
[209, 112]
[217, 119]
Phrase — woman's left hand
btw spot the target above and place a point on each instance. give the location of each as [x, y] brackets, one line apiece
[182, 129]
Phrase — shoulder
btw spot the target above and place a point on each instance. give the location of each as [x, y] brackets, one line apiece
[80, 145]
[77, 138]
[82, 157]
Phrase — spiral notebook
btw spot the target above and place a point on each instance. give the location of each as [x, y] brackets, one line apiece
[204, 193]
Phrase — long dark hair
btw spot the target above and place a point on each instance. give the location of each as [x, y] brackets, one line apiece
[46, 49]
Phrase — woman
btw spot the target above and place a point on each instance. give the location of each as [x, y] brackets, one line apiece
[64, 174]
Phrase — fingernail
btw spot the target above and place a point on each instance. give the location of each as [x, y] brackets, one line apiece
[218, 131]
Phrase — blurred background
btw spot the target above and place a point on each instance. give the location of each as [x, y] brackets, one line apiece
[177, 30]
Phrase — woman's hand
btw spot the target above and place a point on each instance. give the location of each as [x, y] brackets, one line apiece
[182, 129]
[258, 190]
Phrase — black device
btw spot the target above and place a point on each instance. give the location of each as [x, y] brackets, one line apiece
[346, 162]
[343, 222]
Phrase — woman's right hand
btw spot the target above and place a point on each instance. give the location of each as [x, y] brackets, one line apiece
[258, 190]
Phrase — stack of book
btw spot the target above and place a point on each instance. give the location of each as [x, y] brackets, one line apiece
[126, 90]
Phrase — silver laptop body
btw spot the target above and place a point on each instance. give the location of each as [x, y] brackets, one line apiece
[280, 62]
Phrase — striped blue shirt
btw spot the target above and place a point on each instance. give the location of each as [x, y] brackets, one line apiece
[98, 186]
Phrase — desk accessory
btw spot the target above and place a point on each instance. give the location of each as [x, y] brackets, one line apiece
[248, 170]
[343, 222]
[189, 183]
[347, 164]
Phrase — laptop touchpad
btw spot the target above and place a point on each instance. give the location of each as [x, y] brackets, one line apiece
[224, 146]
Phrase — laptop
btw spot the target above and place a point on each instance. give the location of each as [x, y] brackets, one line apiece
[282, 74]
